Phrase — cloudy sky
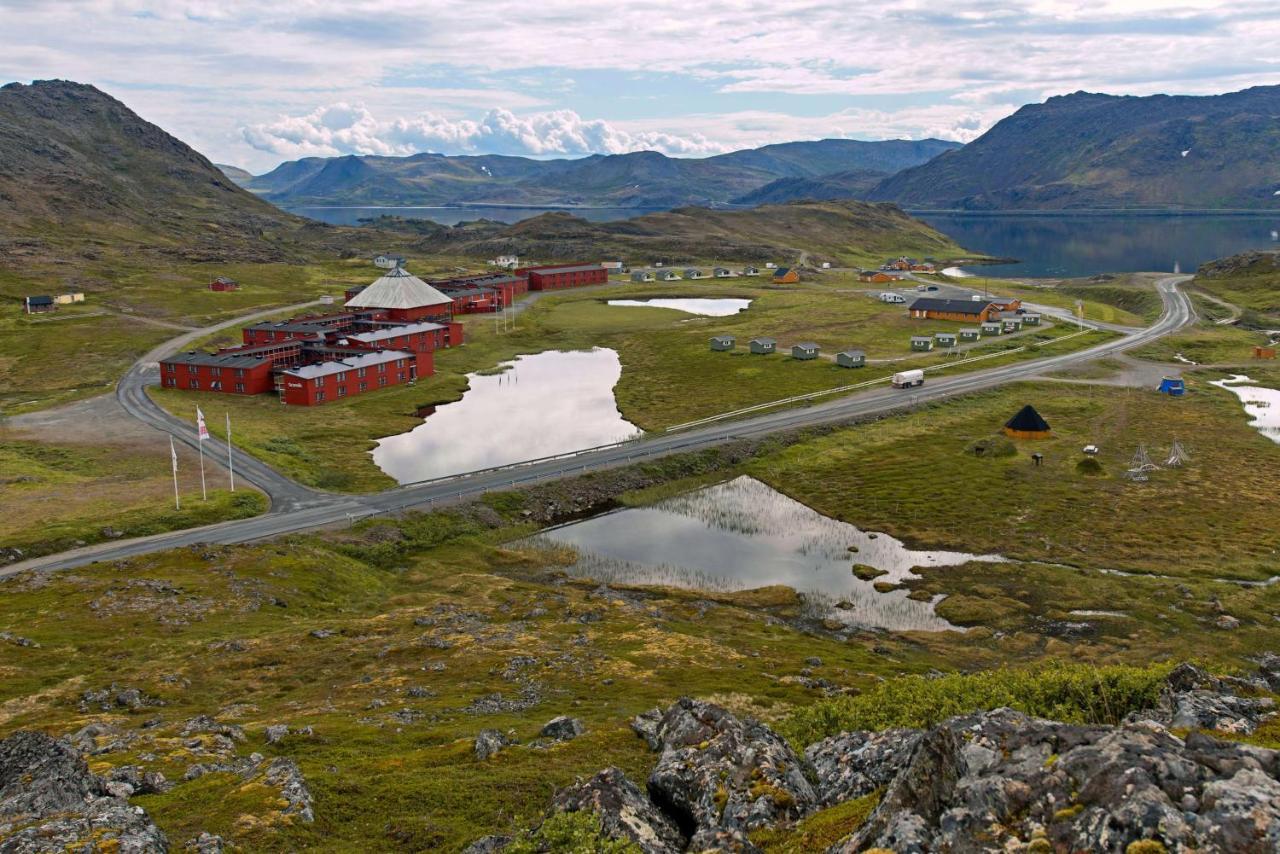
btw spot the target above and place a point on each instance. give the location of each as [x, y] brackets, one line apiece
[255, 83]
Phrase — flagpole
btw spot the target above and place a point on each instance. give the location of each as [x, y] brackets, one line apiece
[231, 469]
[204, 493]
[173, 456]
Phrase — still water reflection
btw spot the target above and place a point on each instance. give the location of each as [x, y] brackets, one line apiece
[706, 307]
[539, 406]
[1260, 403]
[1050, 245]
[743, 534]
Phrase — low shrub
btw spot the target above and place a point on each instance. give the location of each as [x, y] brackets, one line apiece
[572, 833]
[1073, 693]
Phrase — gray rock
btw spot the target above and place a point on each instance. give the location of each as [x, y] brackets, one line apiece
[488, 845]
[563, 728]
[645, 725]
[491, 741]
[49, 801]
[624, 812]
[203, 724]
[276, 733]
[206, 843]
[717, 772]
[285, 775]
[993, 780]
[854, 764]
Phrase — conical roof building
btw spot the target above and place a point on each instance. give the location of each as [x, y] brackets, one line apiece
[404, 296]
[1027, 424]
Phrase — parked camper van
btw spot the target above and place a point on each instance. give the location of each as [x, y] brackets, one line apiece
[908, 379]
[890, 296]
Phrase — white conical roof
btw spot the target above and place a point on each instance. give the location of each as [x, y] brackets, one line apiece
[398, 289]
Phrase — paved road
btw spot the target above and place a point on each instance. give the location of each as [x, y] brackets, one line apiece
[314, 509]
[286, 495]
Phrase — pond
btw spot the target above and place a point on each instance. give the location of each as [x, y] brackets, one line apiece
[743, 534]
[705, 307]
[446, 215]
[1090, 242]
[1260, 403]
[535, 406]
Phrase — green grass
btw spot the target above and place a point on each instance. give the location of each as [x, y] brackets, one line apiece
[913, 477]
[819, 831]
[387, 587]
[1204, 345]
[1072, 693]
[58, 497]
[663, 352]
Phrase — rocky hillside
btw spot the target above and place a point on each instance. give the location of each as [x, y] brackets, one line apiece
[1102, 151]
[645, 179]
[79, 170]
[800, 232]
[991, 780]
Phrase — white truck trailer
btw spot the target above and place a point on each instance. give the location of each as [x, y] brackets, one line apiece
[908, 379]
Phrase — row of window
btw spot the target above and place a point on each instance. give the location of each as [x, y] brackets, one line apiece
[172, 382]
[195, 369]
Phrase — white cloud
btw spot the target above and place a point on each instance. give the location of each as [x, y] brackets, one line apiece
[344, 128]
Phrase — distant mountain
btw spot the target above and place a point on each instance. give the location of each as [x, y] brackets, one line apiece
[81, 174]
[855, 183]
[847, 232]
[1102, 151]
[235, 173]
[638, 179]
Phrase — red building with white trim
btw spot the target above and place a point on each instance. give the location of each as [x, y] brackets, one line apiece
[352, 374]
[555, 277]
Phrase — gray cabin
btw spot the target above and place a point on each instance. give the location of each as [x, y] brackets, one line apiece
[668, 276]
[992, 328]
[693, 273]
[750, 271]
[641, 276]
[804, 351]
[1011, 324]
[851, 359]
[945, 339]
[921, 343]
[1031, 319]
[763, 346]
[722, 272]
[723, 342]
[970, 335]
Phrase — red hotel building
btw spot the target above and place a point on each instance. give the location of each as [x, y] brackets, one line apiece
[354, 373]
[230, 373]
[551, 277]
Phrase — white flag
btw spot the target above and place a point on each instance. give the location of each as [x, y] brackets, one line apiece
[200, 427]
[173, 452]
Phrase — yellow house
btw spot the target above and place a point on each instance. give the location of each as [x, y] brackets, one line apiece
[67, 299]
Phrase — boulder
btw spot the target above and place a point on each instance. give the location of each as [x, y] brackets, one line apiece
[276, 733]
[489, 742]
[717, 772]
[285, 775]
[854, 764]
[50, 801]
[625, 812]
[997, 780]
[563, 728]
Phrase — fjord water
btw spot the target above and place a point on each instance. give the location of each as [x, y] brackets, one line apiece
[536, 406]
[743, 534]
[1085, 244]
[704, 307]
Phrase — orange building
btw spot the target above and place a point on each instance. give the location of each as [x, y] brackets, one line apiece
[785, 276]
[962, 310]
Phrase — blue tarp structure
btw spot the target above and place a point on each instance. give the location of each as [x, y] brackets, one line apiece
[1173, 386]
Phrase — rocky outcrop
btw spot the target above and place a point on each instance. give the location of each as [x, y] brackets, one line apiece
[624, 810]
[717, 772]
[49, 801]
[1001, 779]
[997, 780]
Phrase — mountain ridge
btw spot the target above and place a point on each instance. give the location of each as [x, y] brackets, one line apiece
[635, 179]
[1092, 150]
